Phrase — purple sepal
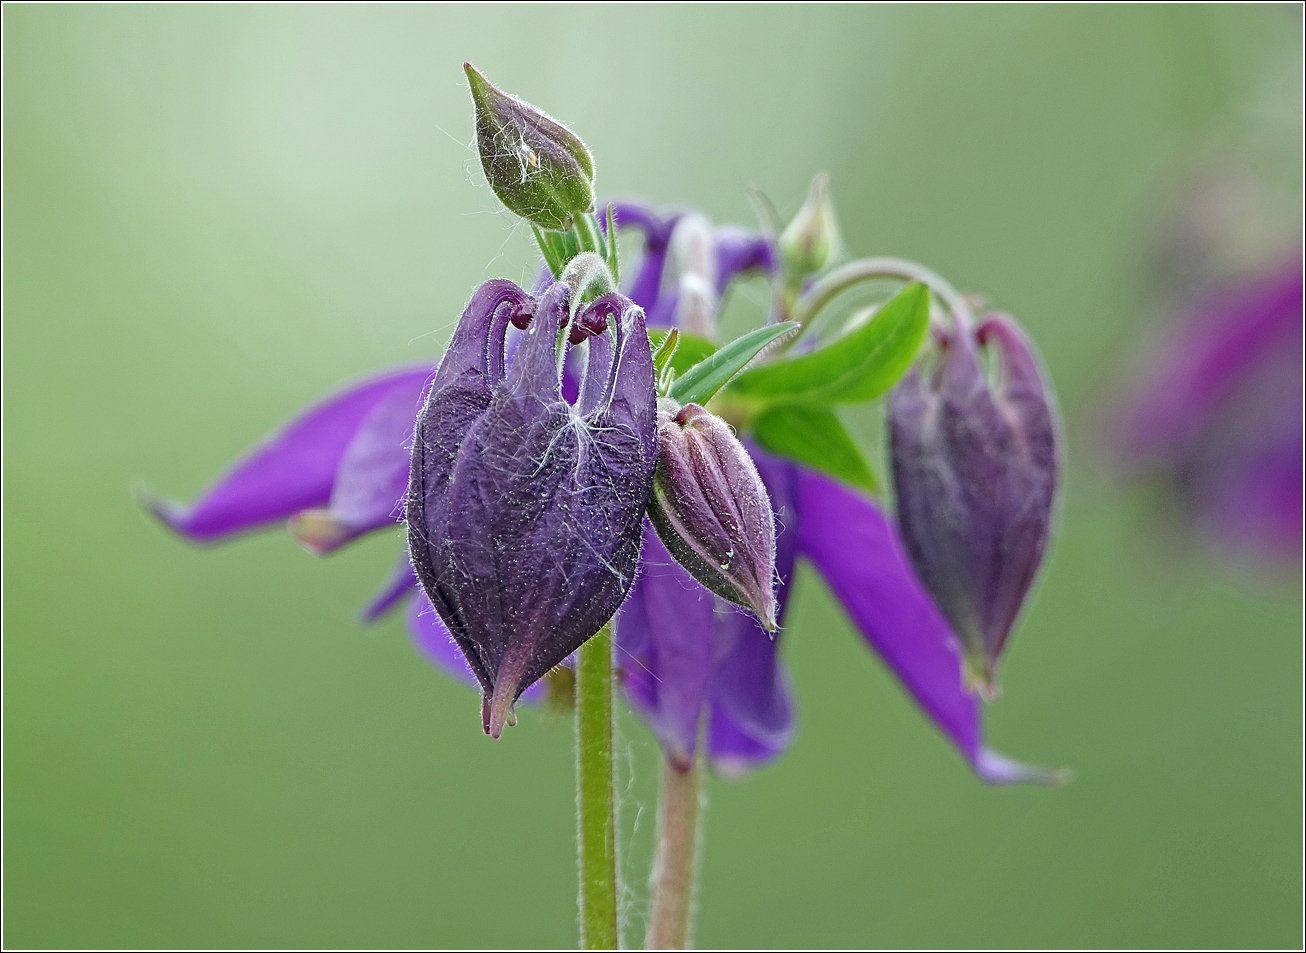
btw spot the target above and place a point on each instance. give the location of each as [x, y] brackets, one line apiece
[401, 582]
[300, 467]
[739, 251]
[524, 512]
[858, 552]
[1220, 414]
[684, 654]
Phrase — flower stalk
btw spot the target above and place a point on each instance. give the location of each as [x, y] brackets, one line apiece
[680, 800]
[595, 794]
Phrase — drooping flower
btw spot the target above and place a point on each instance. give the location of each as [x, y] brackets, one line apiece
[975, 470]
[524, 511]
[1217, 414]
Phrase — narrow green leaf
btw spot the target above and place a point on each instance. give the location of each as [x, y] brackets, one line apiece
[690, 348]
[549, 249]
[698, 383]
[861, 365]
[614, 265]
[812, 435]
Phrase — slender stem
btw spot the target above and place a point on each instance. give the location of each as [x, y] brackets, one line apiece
[679, 800]
[867, 269]
[595, 794]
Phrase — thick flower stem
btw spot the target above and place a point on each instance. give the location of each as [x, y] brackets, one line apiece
[673, 868]
[595, 794]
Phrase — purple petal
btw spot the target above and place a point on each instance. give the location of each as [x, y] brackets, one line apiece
[402, 581]
[294, 470]
[738, 250]
[858, 552]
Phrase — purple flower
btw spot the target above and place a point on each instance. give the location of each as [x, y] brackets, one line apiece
[685, 655]
[1218, 412]
[975, 470]
[524, 511]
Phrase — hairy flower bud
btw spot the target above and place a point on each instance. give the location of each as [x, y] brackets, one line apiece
[536, 166]
[711, 510]
[975, 471]
[809, 242]
[524, 512]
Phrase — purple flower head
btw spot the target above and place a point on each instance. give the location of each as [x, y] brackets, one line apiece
[687, 658]
[524, 511]
[711, 509]
[975, 471]
[536, 166]
[1219, 412]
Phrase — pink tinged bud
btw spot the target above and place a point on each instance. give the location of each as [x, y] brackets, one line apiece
[975, 460]
[711, 510]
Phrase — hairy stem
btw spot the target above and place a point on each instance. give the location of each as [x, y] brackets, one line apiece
[673, 868]
[868, 269]
[595, 794]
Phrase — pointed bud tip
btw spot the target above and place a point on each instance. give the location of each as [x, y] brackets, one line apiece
[979, 677]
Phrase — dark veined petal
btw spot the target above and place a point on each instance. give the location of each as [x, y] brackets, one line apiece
[295, 469]
[524, 512]
[858, 552]
[439, 648]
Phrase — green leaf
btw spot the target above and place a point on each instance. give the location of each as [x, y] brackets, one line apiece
[813, 436]
[690, 348]
[698, 383]
[861, 365]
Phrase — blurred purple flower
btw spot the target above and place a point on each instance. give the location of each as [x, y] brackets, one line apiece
[684, 654]
[1218, 412]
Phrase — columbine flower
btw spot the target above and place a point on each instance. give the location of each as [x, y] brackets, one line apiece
[975, 470]
[524, 511]
[1218, 413]
[742, 691]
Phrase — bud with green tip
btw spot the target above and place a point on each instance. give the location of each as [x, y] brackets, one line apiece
[810, 241]
[711, 509]
[536, 166]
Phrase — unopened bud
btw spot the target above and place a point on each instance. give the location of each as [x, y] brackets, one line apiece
[711, 510]
[975, 471]
[809, 242]
[536, 166]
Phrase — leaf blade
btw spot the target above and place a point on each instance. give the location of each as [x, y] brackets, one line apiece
[859, 366]
[698, 383]
[812, 435]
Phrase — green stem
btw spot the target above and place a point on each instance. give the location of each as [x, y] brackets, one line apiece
[679, 800]
[868, 269]
[595, 794]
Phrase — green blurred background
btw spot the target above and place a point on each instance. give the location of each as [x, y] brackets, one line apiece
[213, 216]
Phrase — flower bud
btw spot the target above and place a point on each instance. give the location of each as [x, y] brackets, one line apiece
[525, 511]
[536, 166]
[809, 242]
[975, 472]
[711, 510]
